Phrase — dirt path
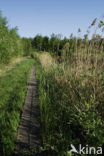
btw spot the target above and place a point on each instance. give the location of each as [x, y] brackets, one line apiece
[28, 137]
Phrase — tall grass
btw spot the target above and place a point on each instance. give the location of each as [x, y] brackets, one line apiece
[13, 86]
[71, 100]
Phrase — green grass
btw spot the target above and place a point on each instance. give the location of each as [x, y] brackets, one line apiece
[13, 87]
[55, 131]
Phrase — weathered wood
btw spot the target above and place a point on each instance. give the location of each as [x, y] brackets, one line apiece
[28, 137]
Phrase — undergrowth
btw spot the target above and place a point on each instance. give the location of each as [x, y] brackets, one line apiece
[13, 87]
[71, 104]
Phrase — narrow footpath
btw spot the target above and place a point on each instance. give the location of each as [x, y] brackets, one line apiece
[28, 138]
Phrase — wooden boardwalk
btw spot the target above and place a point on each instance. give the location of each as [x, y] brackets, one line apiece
[28, 137]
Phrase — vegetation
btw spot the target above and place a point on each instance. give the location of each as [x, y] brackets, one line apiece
[53, 44]
[71, 88]
[71, 103]
[27, 47]
[10, 44]
[13, 86]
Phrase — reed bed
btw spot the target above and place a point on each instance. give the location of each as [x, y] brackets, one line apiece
[71, 100]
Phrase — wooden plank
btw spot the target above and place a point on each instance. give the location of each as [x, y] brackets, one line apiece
[28, 137]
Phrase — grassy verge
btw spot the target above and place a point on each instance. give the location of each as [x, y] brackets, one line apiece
[4, 68]
[13, 86]
[71, 103]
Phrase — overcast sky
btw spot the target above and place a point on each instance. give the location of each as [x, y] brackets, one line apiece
[51, 16]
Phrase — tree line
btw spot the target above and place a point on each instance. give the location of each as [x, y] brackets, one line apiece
[66, 46]
[12, 45]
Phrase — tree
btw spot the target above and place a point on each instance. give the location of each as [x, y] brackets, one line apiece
[55, 43]
[26, 46]
[37, 42]
[3, 20]
[45, 43]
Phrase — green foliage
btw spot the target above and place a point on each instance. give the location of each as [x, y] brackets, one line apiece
[3, 20]
[37, 42]
[45, 44]
[68, 46]
[70, 113]
[13, 88]
[27, 48]
[10, 42]
[53, 44]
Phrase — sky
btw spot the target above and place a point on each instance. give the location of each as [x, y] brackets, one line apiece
[45, 17]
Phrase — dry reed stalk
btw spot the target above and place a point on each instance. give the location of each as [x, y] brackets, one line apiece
[47, 61]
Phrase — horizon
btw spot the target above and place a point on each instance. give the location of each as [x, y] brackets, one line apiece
[47, 17]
